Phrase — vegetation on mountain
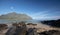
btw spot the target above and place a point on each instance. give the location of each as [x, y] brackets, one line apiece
[15, 16]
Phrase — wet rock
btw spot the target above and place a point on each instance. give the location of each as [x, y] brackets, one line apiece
[14, 24]
[50, 32]
[32, 31]
[11, 31]
[31, 24]
[3, 26]
[21, 29]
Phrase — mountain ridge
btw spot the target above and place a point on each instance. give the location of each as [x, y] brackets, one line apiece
[15, 16]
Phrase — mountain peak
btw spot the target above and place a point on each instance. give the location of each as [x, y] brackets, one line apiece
[12, 13]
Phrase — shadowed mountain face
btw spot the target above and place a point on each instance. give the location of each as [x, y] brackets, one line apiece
[15, 16]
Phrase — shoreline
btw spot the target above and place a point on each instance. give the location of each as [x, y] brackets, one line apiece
[40, 27]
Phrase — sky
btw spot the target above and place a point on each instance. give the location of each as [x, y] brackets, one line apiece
[37, 9]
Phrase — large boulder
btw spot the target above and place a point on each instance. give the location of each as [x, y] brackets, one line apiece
[17, 29]
[21, 29]
[32, 31]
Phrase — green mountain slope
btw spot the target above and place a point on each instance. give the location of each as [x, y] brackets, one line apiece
[15, 16]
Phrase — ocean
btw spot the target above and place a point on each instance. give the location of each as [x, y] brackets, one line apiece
[13, 21]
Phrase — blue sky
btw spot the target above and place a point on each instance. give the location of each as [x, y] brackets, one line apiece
[37, 9]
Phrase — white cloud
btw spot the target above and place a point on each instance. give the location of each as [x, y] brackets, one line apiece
[40, 14]
[45, 15]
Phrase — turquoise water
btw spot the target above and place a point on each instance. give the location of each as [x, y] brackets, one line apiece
[11, 21]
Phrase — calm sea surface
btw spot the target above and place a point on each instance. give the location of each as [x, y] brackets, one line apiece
[11, 21]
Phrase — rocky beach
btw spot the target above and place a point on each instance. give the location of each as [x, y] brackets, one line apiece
[21, 27]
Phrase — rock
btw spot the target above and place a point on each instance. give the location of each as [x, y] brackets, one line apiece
[17, 29]
[3, 26]
[29, 23]
[32, 24]
[21, 29]
[50, 32]
[32, 31]
[11, 31]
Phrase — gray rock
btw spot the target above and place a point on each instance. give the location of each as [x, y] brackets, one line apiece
[32, 31]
